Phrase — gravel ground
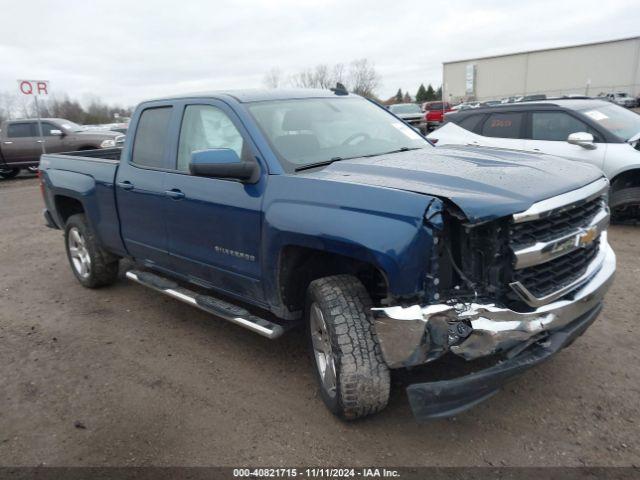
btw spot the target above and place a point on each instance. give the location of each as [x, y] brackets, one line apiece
[125, 376]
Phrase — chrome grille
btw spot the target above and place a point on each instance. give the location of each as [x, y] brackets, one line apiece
[546, 278]
[556, 243]
[556, 225]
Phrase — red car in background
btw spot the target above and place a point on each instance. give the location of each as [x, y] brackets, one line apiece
[434, 113]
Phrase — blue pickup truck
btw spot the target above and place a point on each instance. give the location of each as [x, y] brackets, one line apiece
[274, 208]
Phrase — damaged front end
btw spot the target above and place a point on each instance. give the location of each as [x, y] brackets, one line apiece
[521, 287]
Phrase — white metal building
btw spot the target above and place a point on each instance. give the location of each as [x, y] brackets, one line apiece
[588, 69]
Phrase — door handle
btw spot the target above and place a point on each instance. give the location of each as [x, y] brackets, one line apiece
[125, 185]
[174, 193]
[39, 141]
[8, 143]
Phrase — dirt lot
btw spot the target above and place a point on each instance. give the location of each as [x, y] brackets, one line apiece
[125, 376]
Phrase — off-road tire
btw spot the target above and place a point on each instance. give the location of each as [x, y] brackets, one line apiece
[362, 378]
[625, 197]
[104, 265]
[9, 173]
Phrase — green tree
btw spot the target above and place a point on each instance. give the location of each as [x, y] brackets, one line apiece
[421, 94]
[439, 93]
[399, 96]
[406, 98]
[430, 94]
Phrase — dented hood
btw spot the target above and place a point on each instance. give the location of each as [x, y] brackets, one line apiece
[485, 183]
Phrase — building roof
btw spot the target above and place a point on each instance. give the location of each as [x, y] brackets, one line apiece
[543, 50]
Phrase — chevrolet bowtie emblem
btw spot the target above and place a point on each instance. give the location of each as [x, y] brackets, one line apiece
[588, 236]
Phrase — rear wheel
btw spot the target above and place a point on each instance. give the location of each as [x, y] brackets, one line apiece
[33, 169]
[92, 266]
[353, 378]
[7, 173]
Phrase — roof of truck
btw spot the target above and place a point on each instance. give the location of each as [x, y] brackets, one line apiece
[258, 95]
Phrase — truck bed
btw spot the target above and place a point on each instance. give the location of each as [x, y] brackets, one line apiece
[88, 178]
[101, 154]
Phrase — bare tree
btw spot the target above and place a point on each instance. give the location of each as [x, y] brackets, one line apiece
[363, 78]
[7, 106]
[360, 77]
[273, 78]
[303, 79]
[339, 73]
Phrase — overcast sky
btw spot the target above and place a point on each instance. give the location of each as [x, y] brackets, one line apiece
[127, 51]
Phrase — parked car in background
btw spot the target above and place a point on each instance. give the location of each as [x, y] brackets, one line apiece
[534, 98]
[434, 113]
[621, 98]
[410, 113]
[277, 208]
[21, 145]
[588, 130]
[465, 106]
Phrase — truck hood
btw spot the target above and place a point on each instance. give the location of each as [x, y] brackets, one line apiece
[485, 183]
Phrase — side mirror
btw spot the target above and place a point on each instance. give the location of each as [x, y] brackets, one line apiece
[222, 163]
[583, 139]
[56, 133]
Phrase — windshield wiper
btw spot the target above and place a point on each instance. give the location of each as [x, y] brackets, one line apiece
[318, 164]
[403, 149]
[336, 159]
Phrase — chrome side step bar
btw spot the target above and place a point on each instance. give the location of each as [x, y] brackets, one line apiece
[215, 306]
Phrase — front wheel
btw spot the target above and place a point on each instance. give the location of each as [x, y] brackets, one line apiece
[625, 205]
[353, 378]
[7, 173]
[92, 266]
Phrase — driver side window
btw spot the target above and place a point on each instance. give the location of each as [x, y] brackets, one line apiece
[555, 126]
[205, 127]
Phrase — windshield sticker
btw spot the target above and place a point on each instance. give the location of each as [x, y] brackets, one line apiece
[596, 115]
[408, 131]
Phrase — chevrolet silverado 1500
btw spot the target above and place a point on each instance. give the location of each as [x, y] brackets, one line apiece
[272, 208]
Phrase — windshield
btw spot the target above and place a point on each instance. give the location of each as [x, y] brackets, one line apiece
[618, 120]
[405, 108]
[313, 130]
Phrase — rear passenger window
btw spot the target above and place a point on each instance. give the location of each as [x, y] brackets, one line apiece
[471, 123]
[503, 125]
[17, 130]
[151, 135]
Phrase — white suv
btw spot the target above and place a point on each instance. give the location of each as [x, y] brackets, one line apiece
[587, 130]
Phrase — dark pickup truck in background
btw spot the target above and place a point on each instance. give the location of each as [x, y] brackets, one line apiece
[273, 208]
[21, 145]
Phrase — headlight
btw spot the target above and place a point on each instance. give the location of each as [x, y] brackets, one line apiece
[108, 144]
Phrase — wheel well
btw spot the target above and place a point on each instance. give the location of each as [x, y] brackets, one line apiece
[67, 206]
[628, 179]
[299, 266]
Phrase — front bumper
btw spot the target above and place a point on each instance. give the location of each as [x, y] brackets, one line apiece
[417, 334]
[450, 397]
